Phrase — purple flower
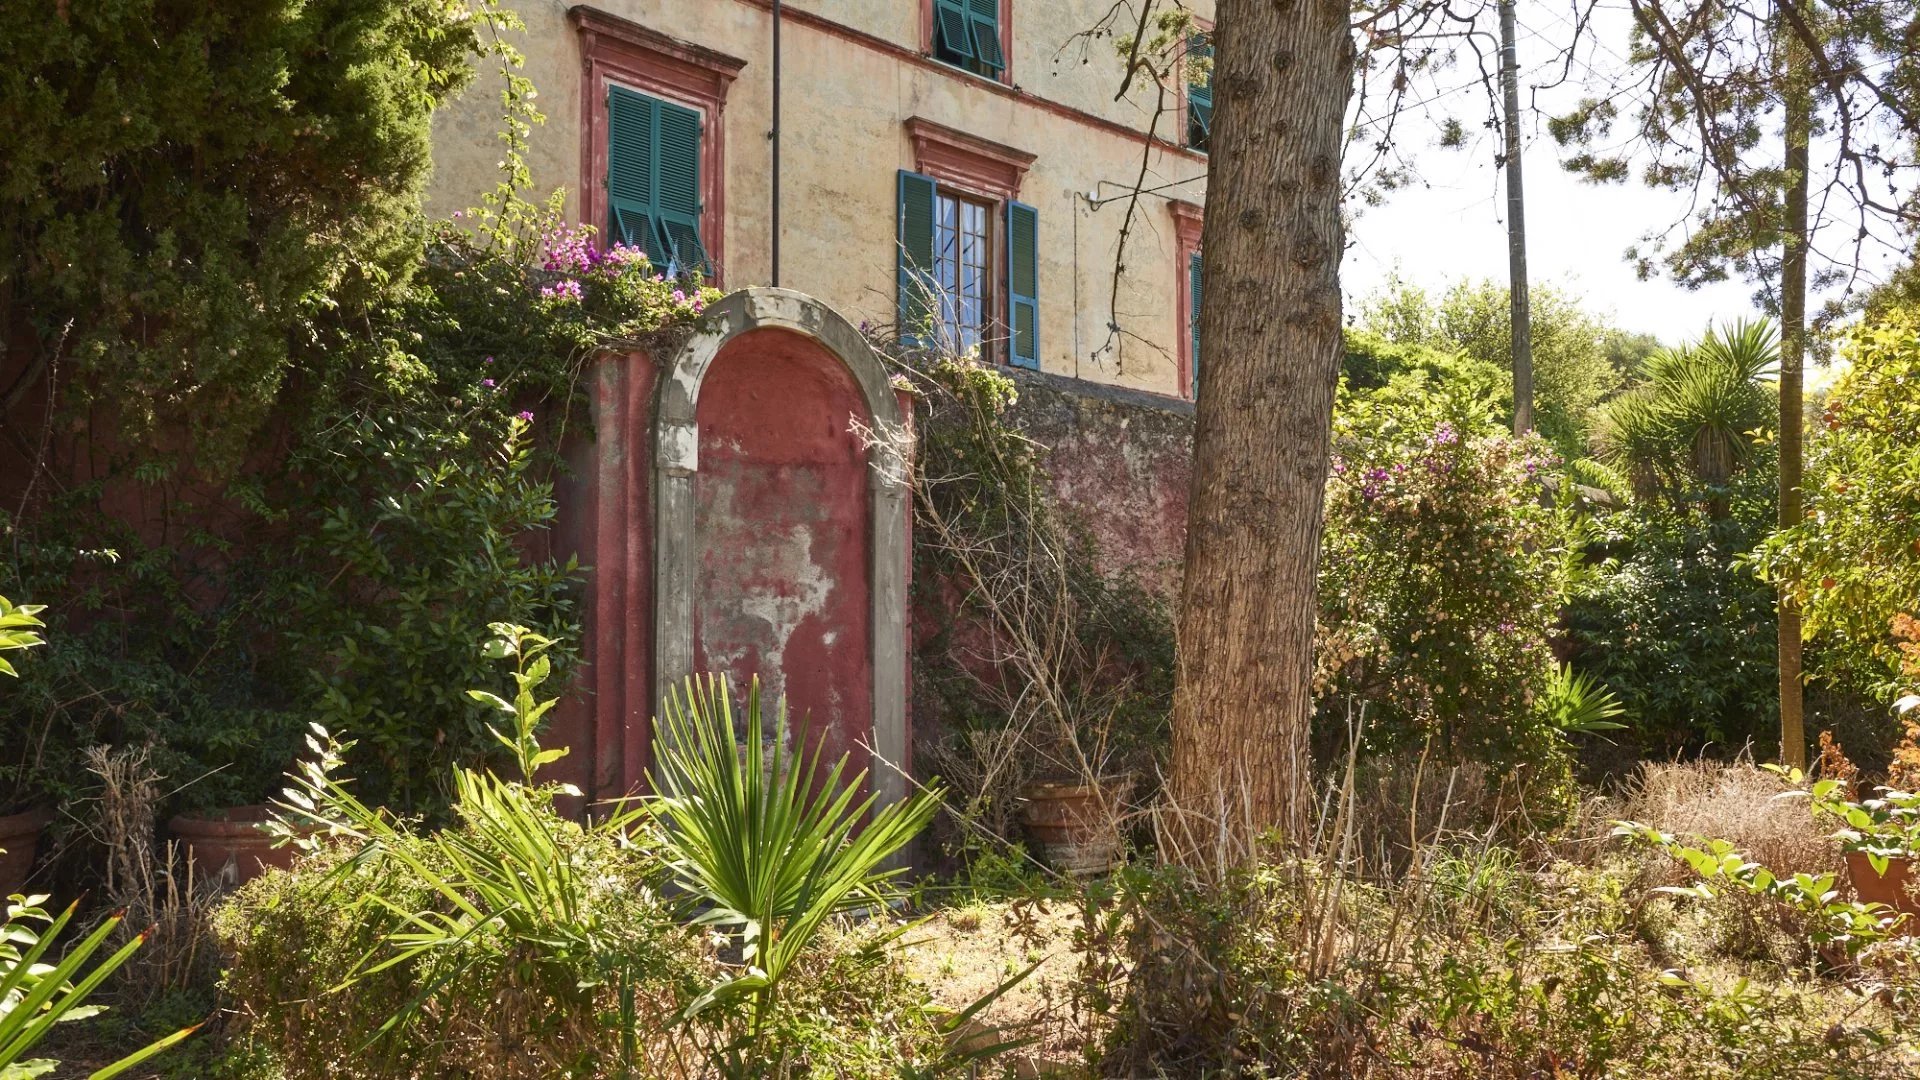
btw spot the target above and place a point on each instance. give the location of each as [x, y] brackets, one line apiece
[564, 290]
[488, 383]
[488, 360]
[525, 415]
[679, 297]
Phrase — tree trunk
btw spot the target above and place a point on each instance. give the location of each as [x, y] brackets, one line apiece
[1520, 312]
[1270, 350]
[1793, 346]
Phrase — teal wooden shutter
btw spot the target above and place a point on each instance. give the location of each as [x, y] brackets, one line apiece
[984, 17]
[1200, 93]
[631, 151]
[1023, 285]
[951, 24]
[1193, 329]
[915, 276]
[678, 191]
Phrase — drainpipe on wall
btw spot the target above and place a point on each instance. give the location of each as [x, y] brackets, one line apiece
[775, 136]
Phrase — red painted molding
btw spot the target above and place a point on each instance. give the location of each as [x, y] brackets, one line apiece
[1006, 41]
[967, 161]
[613, 50]
[1188, 220]
[881, 45]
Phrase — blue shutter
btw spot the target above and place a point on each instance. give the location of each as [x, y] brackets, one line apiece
[984, 17]
[631, 151]
[1200, 92]
[1023, 285]
[678, 189]
[915, 274]
[1193, 329]
[951, 27]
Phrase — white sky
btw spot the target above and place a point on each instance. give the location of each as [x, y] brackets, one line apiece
[1451, 222]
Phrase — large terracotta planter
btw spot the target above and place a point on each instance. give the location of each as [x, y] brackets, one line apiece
[1074, 824]
[232, 845]
[1889, 888]
[20, 836]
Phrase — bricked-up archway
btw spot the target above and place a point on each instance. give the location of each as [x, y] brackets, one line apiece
[788, 368]
[731, 507]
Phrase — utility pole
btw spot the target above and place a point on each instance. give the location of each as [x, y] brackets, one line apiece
[774, 137]
[1521, 315]
[1798, 99]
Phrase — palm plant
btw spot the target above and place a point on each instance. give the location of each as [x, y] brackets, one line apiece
[771, 847]
[1692, 419]
[1577, 703]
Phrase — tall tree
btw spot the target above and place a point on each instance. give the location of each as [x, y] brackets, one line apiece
[1715, 88]
[1270, 346]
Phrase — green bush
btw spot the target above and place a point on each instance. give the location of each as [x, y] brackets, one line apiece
[1441, 572]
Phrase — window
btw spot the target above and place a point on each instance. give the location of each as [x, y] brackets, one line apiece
[1199, 81]
[1189, 220]
[968, 272]
[653, 180]
[962, 268]
[966, 34]
[1193, 325]
[653, 113]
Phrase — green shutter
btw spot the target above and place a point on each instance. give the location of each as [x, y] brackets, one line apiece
[631, 150]
[950, 23]
[984, 15]
[1200, 92]
[679, 189]
[1023, 285]
[1193, 328]
[915, 275]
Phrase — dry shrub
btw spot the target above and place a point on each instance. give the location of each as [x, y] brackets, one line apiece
[155, 886]
[1734, 801]
[1403, 804]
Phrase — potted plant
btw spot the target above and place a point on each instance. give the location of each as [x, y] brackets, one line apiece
[1075, 822]
[21, 818]
[1880, 839]
[235, 759]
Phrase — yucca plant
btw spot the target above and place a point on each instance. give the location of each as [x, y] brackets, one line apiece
[1578, 703]
[768, 847]
[19, 624]
[35, 995]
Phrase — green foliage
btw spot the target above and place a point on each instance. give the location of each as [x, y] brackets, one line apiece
[37, 992]
[1575, 353]
[17, 630]
[1854, 562]
[186, 184]
[1883, 828]
[1695, 416]
[1439, 582]
[1677, 624]
[1577, 703]
[770, 846]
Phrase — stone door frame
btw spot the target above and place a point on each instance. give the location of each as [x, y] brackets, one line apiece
[676, 460]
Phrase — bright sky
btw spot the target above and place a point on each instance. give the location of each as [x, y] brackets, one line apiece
[1451, 222]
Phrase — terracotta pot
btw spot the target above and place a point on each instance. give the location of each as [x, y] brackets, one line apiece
[232, 844]
[1073, 823]
[20, 836]
[1889, 888]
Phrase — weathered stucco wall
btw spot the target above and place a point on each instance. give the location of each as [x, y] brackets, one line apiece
[1120, 461]
[845, 104]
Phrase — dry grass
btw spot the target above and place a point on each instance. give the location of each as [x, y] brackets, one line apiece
[964, 953]
[1734, 801]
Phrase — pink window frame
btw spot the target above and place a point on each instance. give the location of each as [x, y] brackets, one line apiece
[613, 52]
[1006, 39]
[1188, 220]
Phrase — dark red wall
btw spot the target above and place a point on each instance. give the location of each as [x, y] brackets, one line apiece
[783, 535]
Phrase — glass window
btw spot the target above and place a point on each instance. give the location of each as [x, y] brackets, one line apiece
[962, 271]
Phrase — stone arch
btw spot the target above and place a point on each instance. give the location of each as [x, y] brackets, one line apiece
[676, 464]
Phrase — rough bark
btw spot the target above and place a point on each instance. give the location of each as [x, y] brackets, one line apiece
[1793, 346]
[1270, 353]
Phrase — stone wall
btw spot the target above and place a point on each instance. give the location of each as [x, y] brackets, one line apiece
[1120, 461]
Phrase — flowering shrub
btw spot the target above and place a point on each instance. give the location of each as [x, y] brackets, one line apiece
[1439, 581]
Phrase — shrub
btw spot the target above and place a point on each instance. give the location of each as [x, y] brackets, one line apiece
[1439, 581]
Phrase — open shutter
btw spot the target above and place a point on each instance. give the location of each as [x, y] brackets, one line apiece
[631, 151]
[915, 274]
[678, 194]
[1023, 285]
[1200, 92]
[1193, 328]
[984, 19]
[951, 24]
